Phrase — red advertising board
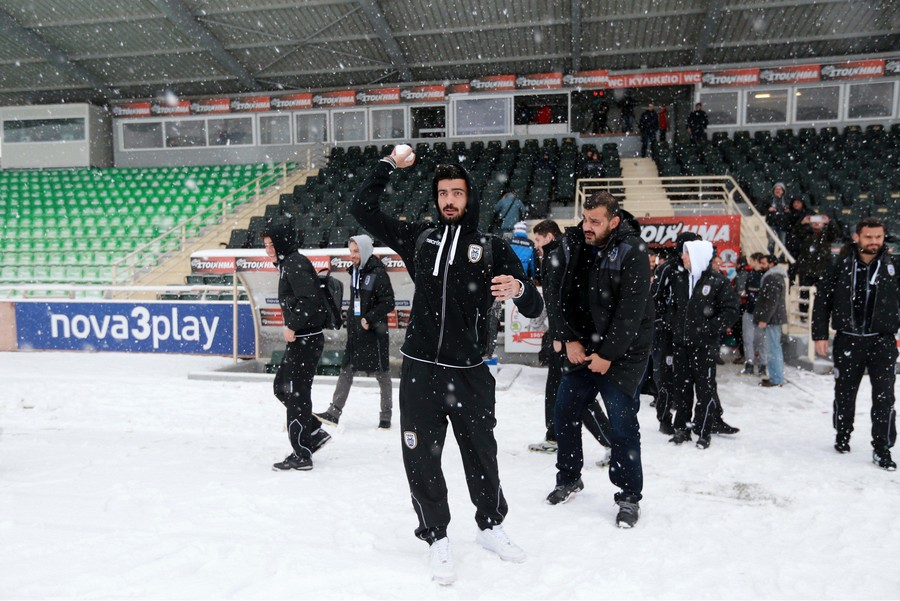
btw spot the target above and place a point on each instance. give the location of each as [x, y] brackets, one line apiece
[290, 102]
[424, 94]
[378, 96]
[210, 106]
[645, 80]
[254, 104]
[539, 81]
[493, 83]
[333, 99]
[131, 109]
[587, 79]
[730, 78]
[170, 109]
[724, 231]
[459, 88]
[853, 70]
[798, 74]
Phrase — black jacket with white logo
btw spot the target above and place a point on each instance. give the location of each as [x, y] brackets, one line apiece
[448, 323]
[701, 316]
[298, 284]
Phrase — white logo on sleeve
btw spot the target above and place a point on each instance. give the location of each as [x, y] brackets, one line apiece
[410, 439]
[706, 290]
[475, 252]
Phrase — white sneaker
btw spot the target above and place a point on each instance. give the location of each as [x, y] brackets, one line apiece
[442, 570]
[607, 457]
[495, 540]
[546, 446]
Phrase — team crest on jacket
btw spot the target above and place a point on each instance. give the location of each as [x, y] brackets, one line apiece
[706, 290]
[475, 252]
[613, 254]
[891, 270]
[410, 439]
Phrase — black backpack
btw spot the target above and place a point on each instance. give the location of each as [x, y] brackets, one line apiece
[332, 292]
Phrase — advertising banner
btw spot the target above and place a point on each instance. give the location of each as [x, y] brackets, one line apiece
[424, 94]
[170, 109]
[539, 81]
[256, 104]
[645, 80]
[853, 70]
[493, 83]
[730, 78]
[292, 102]
[798, 74]
[522, 334]
[587, 79]
[724, 231]
[132, 109]
[378, 96]
[211, 106]
[135, 327]
[334, 99]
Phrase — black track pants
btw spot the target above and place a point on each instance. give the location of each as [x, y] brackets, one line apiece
[293, 387]
[695, 369]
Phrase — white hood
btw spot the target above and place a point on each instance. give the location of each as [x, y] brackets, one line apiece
[700, 253]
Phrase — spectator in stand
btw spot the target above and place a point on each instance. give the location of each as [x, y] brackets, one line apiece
[649, 126]
[599, 113]
[697, 123]
[815, 235]
[777, 212]
[663, 122]
[524, 248]
[507, 213]
[770, 314]
[797, 211]
[627, 106]
[591, 166]
[860, 296]
[544, 115]
[754, 342]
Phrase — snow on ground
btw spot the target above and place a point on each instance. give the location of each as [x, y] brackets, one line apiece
[121, 478]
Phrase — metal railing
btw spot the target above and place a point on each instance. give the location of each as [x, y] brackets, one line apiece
[175, 238]
[704, 195]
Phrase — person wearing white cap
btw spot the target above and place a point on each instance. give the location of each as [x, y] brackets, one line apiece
[524, 248]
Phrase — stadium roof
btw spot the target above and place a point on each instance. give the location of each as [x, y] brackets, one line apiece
[97, 50]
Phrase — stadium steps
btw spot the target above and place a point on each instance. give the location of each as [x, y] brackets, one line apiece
[644, 195]
[178, 265]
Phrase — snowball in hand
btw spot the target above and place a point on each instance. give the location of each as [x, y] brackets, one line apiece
[403, 148]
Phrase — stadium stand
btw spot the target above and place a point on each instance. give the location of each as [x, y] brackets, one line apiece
[70, 226]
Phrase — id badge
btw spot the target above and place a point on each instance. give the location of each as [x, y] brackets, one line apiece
[357, 308]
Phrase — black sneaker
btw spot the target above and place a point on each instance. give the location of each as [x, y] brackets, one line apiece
[882, 458]
[327, 417]
[385, 424]
[666, 427]
[720, 427]
[319, 439]
[681, 436]
[703, 442]
[842, 445]
[563, 492]
[762, 371]
[628, 514]
[748, 369]
[293, 462]
[767, 383]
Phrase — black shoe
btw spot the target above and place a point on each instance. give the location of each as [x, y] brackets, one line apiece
[564, 492]
[767, 383]
[703, 442]
[762, 371]
[738, 360]
[842, 445]
[720, 360]
[882, 458]
[293, 462]
[666, 427]
[681, 436]
[628, 514]
[327, 417]
[319, 439]
[748, 369]
[385, 424]
[720, 427]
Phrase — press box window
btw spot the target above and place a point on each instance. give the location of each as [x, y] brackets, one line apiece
[768, 106]
[43, 130]
[144, 135]
[230, 132]
[817, 104]
[312, 127]
[274, 129]
[721, 108]
[186, 133]
[871, 100]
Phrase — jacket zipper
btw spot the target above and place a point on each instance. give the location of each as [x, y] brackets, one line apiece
[443, 303]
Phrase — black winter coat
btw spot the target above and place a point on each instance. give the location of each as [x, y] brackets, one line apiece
[448, 322]
[702, 318]
[605, 300]
[850, 284]
[367, 350]
[298, 283]
[814, 250]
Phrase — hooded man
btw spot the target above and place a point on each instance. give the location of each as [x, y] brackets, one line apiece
[371, 300]
[304, 317]
[459, 272]
[777, 211]
[606, 323]
[703, 304]
[860, 294]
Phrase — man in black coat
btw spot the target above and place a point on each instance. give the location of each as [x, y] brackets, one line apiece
[649, 127]
[697, 123]
[371, 300]
[860, 295]
[607, 327]
[304, 317]
[703, 305]
[459, 272]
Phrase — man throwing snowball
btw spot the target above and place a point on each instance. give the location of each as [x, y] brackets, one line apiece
[459, 272]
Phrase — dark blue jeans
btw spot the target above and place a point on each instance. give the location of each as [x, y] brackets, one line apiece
[576, 390]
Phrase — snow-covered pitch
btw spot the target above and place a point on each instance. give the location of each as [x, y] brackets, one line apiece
[122, 478]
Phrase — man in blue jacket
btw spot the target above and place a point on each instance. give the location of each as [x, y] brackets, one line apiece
[459, 272]
[607, 328]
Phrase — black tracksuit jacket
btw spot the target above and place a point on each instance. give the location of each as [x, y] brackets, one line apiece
[448, 322]
[367, 350]
[701, 319]
[298, 283]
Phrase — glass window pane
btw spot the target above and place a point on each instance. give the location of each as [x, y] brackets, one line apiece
[817, 104]
[388, 124]
[767, 106]
[429, 121]
[349, 126]
[721, 108]
[275, 129]
[44, 130]
[311, 127]
[480, 116]
[142, 135]
[231, 132]
[871, 100]
[185, 133]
